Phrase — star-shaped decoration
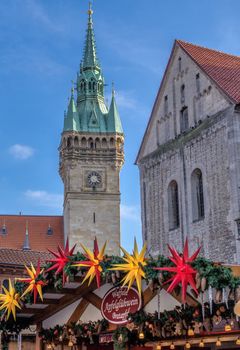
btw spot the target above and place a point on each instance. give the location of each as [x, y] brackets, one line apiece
[184, 273]
[93, 262]
[9, 300]
[61, 259]
[134, 266]
[35, 284]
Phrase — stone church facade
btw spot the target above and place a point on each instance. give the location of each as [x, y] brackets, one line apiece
[189, 159]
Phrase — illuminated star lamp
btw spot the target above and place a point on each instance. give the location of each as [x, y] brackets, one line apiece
[35, 284]
[134, 266]
[61, 259]
[184, 273]
[9, 300]
[93, 262]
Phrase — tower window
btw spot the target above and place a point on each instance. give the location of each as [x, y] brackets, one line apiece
[173, 205]
[198, 83]
[183, 93]
[166, 105]
[94, 218]
[184, 119]
[197, 195]
[49, 231]
[179, 64]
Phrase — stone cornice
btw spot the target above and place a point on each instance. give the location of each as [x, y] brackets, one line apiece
[184, 138]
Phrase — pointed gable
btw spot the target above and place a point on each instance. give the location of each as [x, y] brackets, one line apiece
[217, 90]
[222, 68]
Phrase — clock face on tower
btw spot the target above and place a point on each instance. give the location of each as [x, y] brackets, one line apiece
[94, 179]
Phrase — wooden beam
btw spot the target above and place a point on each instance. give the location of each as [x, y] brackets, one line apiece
[77, 313]
[94, 299]
[148, 295]
[66, 300]
[189, 299]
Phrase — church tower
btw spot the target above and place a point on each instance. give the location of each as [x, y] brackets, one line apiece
[91, 156]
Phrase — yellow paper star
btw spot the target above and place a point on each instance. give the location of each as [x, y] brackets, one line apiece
[93, 262]
[10, 300]
[133, 267]
[35, 286]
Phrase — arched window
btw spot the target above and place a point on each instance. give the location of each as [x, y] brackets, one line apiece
[97, 143]
[166, 105]
[197, 195]
[90, 143]
[183, 93]
[179, 64]
[76, 143]
[112, 142]
[69, 142]
[104, 143]
[184, 119]
[84, 142]
[173, 205]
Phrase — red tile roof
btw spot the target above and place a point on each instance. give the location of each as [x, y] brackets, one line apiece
[222, 68]
[39, 240]
[16, 257]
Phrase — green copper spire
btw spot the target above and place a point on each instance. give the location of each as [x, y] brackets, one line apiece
[90, 56]
[90, 113]
[71, 120]
[114, 121]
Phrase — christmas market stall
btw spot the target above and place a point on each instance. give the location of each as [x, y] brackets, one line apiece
[88, 300]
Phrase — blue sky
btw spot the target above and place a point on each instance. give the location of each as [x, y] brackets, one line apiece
[41, 44]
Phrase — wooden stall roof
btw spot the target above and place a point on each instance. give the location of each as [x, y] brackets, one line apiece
[54, 301]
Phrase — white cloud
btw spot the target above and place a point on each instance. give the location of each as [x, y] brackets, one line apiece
[45, 198]
[124, 99]
[130, 212]
[21, 152]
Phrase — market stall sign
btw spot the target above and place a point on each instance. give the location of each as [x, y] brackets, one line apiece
[118, 302]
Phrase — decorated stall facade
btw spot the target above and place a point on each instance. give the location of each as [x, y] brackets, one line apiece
[87, 300]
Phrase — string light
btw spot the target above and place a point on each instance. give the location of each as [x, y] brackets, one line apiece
[141, 335]
[187, 345]
[201, 344]
[172, 346]
[228, 327]
[190, 332]
[218, 342]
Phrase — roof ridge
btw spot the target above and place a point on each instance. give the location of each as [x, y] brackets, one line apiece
[206, 48]
[24, 251]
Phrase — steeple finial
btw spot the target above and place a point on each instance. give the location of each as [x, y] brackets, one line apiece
[90, 56]
[72, 88]
[90, 11]
[113, 90]
[26, 245]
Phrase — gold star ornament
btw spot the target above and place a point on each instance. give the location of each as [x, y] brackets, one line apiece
[134, 266]
[9, 300]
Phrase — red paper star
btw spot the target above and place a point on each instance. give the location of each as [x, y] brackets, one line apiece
[185, 274]
[93, 263]
[62, 258]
